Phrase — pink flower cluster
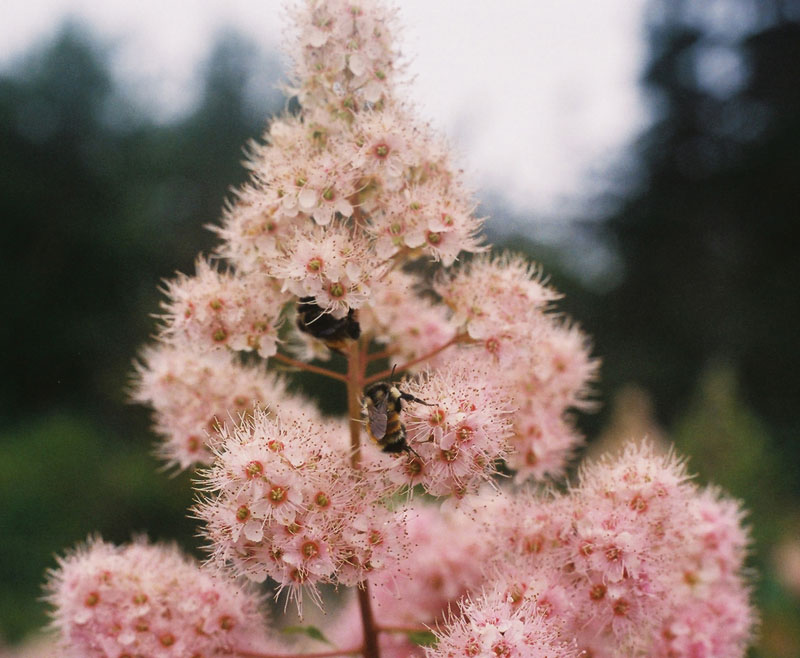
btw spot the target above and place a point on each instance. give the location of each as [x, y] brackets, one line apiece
[634, 560]
[407, 323]
[502, 304]
[147, 600]
[213, 310]
[193, 395]
[460, 437]
[285, 504]
[498, 624]
[345, 55]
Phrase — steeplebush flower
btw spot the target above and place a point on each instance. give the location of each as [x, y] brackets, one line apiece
[195, 395]
[465, 375]
[462, 433]
[215, 309]
[146, 599]
[283, 503]
[495, 624]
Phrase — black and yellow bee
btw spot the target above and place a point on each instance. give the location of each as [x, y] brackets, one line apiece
[381, 405]
[334, 332]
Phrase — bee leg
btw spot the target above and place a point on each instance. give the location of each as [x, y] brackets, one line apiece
[410, 398]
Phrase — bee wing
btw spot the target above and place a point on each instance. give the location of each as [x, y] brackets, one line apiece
[376, 419]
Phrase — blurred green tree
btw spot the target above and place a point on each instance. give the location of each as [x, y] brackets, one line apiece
[99, 204]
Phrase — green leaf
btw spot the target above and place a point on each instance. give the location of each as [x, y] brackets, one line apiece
[312, 631]
[422, 638]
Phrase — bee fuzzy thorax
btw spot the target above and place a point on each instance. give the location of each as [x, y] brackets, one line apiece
[382, 405]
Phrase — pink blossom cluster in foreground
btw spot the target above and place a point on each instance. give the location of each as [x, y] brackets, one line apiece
[420, 529]
[147, 600]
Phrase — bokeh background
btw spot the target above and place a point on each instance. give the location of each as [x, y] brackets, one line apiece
[675, 254]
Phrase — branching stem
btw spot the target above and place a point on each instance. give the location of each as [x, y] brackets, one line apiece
[458, 338]
[300, 365]
[319, 654]
[382, 354]
[403, 629]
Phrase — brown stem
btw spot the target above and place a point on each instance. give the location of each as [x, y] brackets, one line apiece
[355, 382]
[403, 629]
[319, 654]
[382, 354]
[368, 622]
[458, 338]
[310, 368]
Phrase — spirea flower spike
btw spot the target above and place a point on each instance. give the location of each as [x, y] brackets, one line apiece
[355, 234]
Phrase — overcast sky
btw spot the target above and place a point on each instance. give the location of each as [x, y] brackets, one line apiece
[536, 95]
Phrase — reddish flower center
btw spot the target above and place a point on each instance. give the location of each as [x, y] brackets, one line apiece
[533, 544]
[309, 549]
[639, 504]
[492, 345]
[253, 469]
[243, 513]
[336, 290]
[597, 592]
[621, 607]
[277, 494]
[464, 433]
[450, 455]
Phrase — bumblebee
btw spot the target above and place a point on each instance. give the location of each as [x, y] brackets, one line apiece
[334, 332]
[381, 405]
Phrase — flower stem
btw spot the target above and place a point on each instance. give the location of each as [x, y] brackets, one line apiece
[310, 368]
[319, 654]
[368, 622]
[355, 384]
[403, 629]
[458, 338]
[382, 354]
